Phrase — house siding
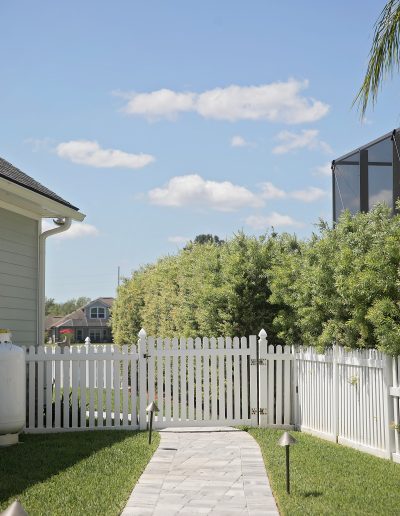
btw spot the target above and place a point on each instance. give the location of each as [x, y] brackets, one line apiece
[19, 276]
[97, 305]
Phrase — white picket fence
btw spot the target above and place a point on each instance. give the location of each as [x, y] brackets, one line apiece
[195, 382]
[97, 365]
[351, 397]
[64, 392]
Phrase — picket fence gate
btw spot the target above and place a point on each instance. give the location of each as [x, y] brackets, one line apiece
[195, 382]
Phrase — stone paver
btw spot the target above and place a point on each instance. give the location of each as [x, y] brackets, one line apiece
[218, 471]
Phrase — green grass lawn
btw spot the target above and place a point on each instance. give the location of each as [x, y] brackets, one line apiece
[328, 478]
[74, 474]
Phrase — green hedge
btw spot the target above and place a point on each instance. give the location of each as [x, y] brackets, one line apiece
[341, 285]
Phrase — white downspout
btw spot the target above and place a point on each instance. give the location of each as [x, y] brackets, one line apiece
[63, 225]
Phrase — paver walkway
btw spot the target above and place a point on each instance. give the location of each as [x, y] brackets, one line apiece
[203, 471]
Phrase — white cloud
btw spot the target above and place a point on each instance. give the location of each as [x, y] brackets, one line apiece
[178, 239]
[77, 230]
[269, 191]
[274, 219]
[194, 190]
[275, 102]
[86, 152]
[310, 194]
[324, 170]
[239, 141]
[307, 138]
[161, 103]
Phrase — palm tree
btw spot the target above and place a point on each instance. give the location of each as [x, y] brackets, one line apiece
[384, 55]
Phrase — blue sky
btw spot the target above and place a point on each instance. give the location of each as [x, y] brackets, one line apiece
[163, 120]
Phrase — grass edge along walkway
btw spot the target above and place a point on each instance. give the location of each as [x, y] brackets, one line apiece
[74, 473]
[328, 478]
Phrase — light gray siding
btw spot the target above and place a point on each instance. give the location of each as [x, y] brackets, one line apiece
[97, 304]
[19, 276]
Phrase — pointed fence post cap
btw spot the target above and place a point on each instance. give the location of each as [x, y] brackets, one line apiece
[15, 509]
[152, 407]
[142, 334]
[286, 440]
[262, 334]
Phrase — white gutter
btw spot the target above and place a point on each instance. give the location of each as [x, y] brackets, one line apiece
[62, 225]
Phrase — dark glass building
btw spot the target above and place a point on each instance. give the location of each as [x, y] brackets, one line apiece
[367, 176]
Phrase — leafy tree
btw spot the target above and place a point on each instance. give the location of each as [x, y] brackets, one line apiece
[53, 308]
[340, 286]
[343, 285]
[126, 312]
[206, 239]
[206, 289]
[245, 265]
[384, 54]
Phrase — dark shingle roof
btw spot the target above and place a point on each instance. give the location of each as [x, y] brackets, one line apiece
[8, 171]
[78, 319]
[106, 300]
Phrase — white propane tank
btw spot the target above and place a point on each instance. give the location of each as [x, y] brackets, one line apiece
[12, 392]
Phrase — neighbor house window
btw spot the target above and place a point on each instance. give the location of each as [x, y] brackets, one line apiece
[97, 313]
[94, 335]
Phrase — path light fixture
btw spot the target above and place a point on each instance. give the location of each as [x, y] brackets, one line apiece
[151, 408]
[286, 440]
[15, 509]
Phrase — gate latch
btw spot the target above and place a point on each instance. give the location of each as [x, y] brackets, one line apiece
[260, 411]
[258, 361]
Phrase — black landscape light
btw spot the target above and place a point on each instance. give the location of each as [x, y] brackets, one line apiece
[15, 509]
[286, 440]
[151, 408]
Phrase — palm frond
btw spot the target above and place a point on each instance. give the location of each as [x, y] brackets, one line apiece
[384, 55]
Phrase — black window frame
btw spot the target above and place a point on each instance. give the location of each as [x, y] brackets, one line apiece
[363, 163]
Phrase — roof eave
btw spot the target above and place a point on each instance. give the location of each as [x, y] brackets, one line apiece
[14, 194]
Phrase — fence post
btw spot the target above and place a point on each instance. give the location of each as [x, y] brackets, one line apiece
[388, 405]
[263, 380]
[142, 352]
[335, 384]
[253, 380]
[295, 391]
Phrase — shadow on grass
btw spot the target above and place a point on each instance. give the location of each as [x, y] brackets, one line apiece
[38, 457]
[311, 494]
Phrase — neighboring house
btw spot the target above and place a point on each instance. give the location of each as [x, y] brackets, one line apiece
[92, 320]
[23, 204]
[367, 176]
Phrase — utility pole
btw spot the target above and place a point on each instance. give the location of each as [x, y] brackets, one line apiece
[119, 276]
